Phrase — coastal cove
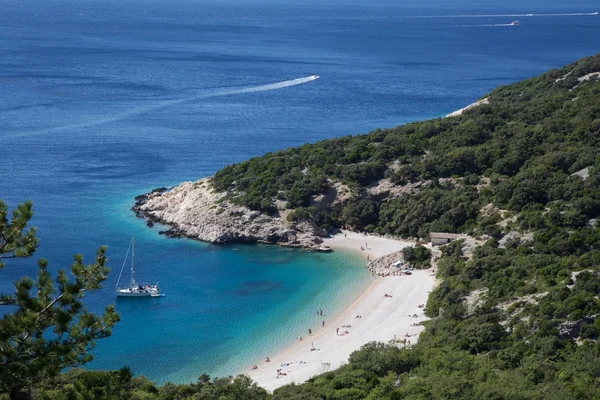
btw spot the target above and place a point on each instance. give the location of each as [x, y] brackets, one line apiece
[389, 310]
[157, 97]
[225, 307]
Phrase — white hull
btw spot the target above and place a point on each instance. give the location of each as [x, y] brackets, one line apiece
[151, 292]
[126, 293]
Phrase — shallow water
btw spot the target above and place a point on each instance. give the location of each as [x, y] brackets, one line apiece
[104, 100]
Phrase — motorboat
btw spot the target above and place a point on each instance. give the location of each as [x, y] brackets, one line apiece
[324, 249]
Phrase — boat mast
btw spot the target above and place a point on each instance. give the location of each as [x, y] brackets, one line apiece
[132, 284]
[123, 266]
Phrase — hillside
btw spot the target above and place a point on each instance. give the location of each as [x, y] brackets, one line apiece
[515, 318]
[513, 151]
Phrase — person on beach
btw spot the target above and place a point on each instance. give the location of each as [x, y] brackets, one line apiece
[323, 324]
[267, 359]
[309, 331]
[337, 331]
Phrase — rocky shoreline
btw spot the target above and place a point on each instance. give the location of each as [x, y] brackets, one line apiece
[195, 210]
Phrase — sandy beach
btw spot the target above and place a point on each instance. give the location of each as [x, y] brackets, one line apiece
[386, 310]
[372, 246]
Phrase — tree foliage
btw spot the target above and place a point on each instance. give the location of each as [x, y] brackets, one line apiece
[46, 327]
[518, 151]
[15, 239]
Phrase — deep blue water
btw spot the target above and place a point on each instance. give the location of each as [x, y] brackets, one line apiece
[102, 100]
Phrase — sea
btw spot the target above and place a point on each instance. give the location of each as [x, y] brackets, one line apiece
[102, 100]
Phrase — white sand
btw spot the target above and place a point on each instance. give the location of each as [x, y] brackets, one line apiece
[383, 319]
[372, 246]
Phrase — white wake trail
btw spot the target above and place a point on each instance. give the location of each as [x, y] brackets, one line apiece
[273, 86]
[507, 15]
[169, 103]
[481, 26]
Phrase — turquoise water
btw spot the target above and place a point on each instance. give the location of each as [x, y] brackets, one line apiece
[225, 308]
[103, 100]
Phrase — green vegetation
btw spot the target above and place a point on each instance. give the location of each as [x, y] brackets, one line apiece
[526, 142]
[515, 318]
[529, 332]
[15, 240]
[519, 317]
[78, 384]
[42, 334]
[418, 257]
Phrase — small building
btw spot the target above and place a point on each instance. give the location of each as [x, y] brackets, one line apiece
[440, 238]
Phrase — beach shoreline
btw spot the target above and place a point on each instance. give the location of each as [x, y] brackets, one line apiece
[387, 310]
[370, 246]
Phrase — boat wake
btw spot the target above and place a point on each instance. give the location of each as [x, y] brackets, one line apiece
[507, 15]
[484, 25]
[272, 86]
[169, 103]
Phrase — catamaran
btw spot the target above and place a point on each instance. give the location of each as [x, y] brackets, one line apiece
[134, 289]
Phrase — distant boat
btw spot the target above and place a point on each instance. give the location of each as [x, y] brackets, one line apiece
[324, 249]
[134, 289]
[515, 22]
[314, 76]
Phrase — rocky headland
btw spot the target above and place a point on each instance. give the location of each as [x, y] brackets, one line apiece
[195, 210]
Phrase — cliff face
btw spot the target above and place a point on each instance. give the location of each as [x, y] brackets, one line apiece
[196, 210]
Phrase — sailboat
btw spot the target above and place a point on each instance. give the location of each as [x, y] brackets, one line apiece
[134, 289]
